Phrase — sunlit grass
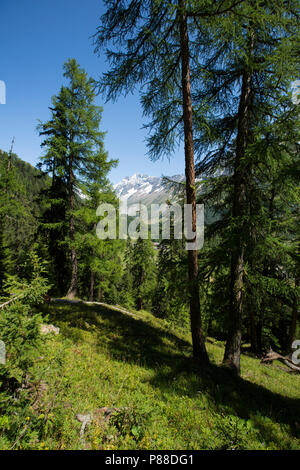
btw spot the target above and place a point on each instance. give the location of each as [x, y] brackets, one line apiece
[104, 358]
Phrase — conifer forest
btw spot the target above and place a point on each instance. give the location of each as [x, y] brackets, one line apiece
[159, 313]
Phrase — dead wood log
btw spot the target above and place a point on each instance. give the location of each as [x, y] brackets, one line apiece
[274, 356]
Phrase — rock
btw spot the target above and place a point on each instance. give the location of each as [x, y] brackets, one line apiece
[101, 415]
[85, 419]
[47, 329]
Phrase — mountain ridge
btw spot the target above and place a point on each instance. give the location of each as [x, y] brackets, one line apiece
[144, 188]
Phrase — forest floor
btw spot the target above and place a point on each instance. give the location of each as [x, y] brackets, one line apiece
[114, 379]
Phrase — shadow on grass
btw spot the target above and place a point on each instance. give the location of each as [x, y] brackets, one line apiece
[135, 341]
[237, 396]
[126, 337]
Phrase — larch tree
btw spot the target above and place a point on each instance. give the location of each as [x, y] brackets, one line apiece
[246, 67]
[74, 147]
[140, 259]
[154, 44]
[211, 74]
[96, 255]
[7, 183]
[17, 223]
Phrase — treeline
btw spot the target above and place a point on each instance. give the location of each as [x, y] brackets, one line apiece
[50, 211]
[20, 210]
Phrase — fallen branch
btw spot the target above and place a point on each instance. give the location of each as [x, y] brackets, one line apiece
[274, 356]
[20, 436]
[11, 300]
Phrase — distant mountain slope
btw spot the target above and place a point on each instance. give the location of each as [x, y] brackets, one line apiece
[145, 189]
[28, 174]
[152, 190]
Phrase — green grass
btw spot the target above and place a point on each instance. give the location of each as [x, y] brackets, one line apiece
[134, 363]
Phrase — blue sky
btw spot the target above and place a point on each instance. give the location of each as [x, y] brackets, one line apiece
[36, 38]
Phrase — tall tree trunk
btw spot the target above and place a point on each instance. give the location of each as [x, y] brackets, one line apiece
[293, 326]
[3, 215]
[100, 293]
[92, 283]
[140, 303]
[140, 298]
[2, 255]
[233, 344]
[259, 330]
[199, 349]
[72, 291]
[92, 278]
[9, 164]
[253, 331]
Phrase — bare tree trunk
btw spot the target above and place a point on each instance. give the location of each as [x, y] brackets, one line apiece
[253, 331]
[100, 293]
[92, 283]
[2, 256]
[92, 278]
[199, 349]
[233, 345]
[140, 299]
[293, 326]
[72, 291]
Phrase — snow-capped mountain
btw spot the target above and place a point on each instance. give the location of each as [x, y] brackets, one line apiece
[144, 188]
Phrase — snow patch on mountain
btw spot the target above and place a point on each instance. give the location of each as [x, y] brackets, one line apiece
[143, 188]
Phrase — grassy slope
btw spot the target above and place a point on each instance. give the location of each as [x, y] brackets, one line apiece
[107, 358]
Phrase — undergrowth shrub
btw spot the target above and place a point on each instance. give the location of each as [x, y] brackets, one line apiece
[20, 323]
[130, 422]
